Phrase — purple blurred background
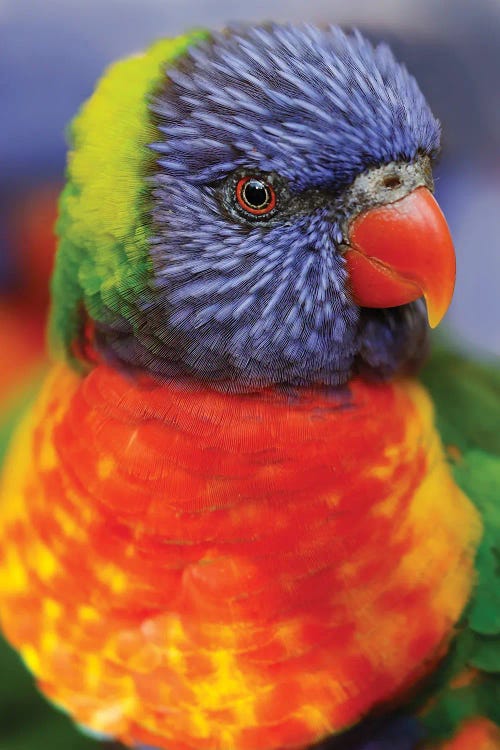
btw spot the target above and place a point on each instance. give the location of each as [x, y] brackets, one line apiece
[52, 51]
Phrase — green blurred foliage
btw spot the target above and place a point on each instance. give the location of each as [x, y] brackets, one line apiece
[28, 721]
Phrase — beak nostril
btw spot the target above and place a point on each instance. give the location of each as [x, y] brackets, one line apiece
[391, 181]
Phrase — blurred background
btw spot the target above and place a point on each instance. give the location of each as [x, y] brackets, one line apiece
[52, 52]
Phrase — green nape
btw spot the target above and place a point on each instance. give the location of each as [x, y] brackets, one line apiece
[467, 398]
[102, 260]
[467, 401]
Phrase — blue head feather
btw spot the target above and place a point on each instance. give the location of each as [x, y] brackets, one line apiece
[318, 107]
[244, 303]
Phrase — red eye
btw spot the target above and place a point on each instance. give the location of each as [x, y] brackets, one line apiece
[255, 196]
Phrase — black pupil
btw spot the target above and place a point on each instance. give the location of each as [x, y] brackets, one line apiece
[256, 194]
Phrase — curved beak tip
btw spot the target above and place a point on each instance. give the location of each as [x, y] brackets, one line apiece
[401, 251]
[437, 308]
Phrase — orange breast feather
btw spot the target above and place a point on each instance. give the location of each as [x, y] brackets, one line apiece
[194, 570]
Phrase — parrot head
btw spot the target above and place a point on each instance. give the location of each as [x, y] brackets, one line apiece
[254, 208]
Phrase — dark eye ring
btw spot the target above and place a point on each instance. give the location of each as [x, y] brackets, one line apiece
[255, 196]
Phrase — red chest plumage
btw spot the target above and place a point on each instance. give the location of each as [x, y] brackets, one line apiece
[252, 570]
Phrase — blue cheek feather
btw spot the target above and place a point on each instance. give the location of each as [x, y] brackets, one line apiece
[244, 304]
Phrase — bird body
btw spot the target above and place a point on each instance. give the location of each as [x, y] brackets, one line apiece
[231, 597]
[229, 521]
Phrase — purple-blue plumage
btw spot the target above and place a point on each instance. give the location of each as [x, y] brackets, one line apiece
[244, 303]
[393, 733]
[316, 106]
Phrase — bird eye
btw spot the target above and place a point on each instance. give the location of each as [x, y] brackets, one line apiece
[255, 196]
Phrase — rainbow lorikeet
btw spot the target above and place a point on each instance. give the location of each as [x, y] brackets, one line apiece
[228, 520]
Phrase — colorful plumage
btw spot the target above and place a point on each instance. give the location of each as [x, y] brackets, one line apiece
[228, 521]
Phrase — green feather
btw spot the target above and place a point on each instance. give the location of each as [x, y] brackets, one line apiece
[467, 401]
[103, 263]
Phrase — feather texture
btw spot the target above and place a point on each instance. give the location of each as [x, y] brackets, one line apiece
[187, 566]
[225, 582]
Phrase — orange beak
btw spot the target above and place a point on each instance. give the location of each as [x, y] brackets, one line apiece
[401, 251]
